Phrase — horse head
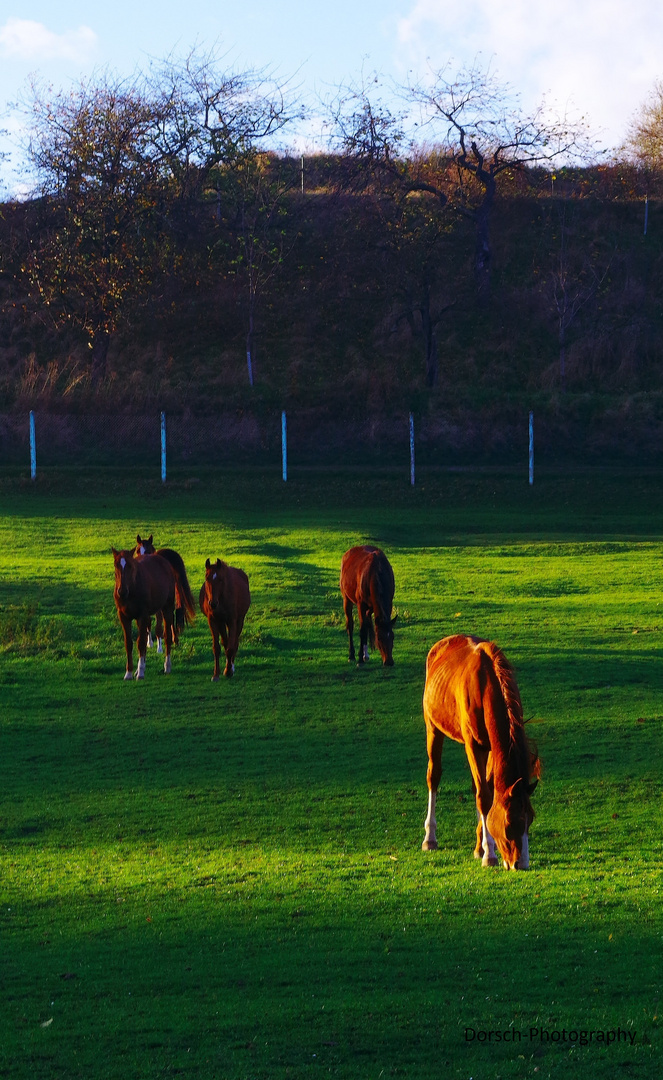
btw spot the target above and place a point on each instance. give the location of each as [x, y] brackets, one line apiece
[509, 820]
[212, 586]
[384, 639]
[124, 572]
[144, 547]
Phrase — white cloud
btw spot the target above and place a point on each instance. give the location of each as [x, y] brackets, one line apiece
[601, 57]
[23, 39]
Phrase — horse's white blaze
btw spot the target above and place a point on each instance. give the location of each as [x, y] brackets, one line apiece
[140, 673]
[523, 861]
[213, 577]
[123, 563]
[430, 824]
[141, 550]
[488, 842]
[166, 666]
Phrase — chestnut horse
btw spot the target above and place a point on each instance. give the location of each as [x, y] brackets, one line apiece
[367, 581]
[184, 605]
[471, 695]
[144, 584]
[225, 600]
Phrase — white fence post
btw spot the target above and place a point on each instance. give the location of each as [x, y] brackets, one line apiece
[284, 446]
[33, 448]
[411, 450]
[163, 448]
[531, 447]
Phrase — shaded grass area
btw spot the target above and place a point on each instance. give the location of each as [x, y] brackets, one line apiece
[225, 880]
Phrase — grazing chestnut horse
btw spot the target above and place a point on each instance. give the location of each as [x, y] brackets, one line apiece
[144, 584]
[471, 695]
[225, 600]
[184, 605]
[367, 581]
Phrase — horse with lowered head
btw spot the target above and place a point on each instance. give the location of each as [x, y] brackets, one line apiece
[224, 599]
[471, 695]
[184, 603]
[144, 585]
[367, 581]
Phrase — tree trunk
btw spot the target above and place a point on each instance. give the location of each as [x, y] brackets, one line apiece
[100, 346]
[430, 338]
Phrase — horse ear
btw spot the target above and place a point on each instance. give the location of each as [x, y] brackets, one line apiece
[138, 539]
[149, 539]
[532, 786]
[207, 564]
[510, 791]
[115, 553]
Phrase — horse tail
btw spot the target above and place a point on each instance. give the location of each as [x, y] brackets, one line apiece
[186, 611]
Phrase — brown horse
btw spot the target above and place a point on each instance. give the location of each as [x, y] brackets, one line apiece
[367, 581]
[184, 603]
[225, 600]
[144, 584]
[471, 695]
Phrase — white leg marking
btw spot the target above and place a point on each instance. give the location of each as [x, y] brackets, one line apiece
[430, 824]
[149, 639]
[489, 855]
[166, 666]
[128, 675]
[140, 673]
[159, 645]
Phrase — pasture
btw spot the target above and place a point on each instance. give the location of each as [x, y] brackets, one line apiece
[225, 880]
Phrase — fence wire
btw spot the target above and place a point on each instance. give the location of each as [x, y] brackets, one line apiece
[314, 438]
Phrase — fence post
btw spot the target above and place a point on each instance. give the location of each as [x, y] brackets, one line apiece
[531, 447]
[411, 450]
[163, 448]
[284, 446]
[33, 448]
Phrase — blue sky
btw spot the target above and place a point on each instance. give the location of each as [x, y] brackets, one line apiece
[598, 57]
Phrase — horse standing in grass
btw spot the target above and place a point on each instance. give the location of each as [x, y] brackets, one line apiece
[471, 695]
[367, 581]
[224, 600]
[144, 585]
[184, 604]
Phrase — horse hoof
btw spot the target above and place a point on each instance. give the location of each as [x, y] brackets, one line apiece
[490, 861]
[215, 678]
[128, 676]
[138, 675]
[229, 672]
[429, 845]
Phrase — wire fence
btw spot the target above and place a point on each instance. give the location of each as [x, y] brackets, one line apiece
[313, 438]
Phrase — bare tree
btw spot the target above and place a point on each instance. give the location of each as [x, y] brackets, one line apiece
[99, 182]
[644, 139]
[483, 132]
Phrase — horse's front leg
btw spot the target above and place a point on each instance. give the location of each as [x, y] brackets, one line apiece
[365, 617]
[128, 644]
[483, 788]
[216, 649]
[349, 626]
[143, 631]
[230, 648]
[434, 742]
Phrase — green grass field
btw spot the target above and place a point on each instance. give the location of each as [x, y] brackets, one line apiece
[225, 880]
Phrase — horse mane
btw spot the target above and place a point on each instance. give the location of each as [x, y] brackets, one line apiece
[518, 740]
